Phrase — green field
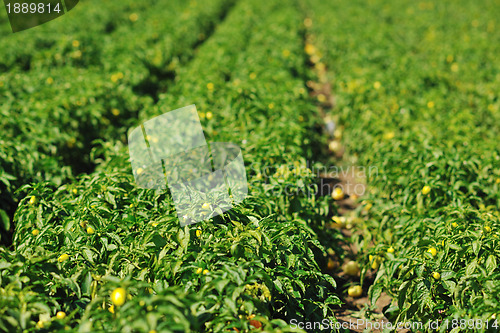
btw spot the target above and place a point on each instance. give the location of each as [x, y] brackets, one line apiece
[413, 91]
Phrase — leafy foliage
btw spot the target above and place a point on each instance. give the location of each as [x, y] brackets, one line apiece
[417, 93]
[83, 229]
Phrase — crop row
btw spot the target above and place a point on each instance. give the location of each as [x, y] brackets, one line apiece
[260, 264]
[62, 111]
[416, 85]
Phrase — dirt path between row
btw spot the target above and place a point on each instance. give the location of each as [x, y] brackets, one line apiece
[352, 315]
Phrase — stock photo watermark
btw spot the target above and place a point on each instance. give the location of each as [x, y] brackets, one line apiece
[414, 326]
[205, 179]
[27, 14]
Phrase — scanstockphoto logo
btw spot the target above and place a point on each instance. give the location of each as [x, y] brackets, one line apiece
[205, 180]
[26, 14]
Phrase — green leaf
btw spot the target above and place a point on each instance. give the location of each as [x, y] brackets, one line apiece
[450, 285]
[476, 247]
[87, 281]
[491, 264]
[374, 293]
[158, 240]
[402, 292]
[330, 280]
[446, 275]
[471, 267]
[88, 254]
[4, 220]
[455, 247]
[183, 237]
